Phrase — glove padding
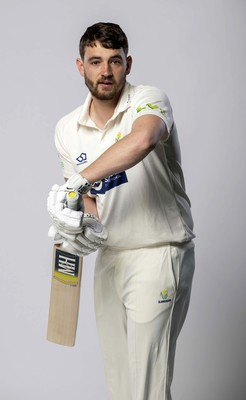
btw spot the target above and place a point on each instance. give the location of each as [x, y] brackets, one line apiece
[65, 220]
[91, 238]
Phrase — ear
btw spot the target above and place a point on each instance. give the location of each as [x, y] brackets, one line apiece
[128, 64]
[80, 66]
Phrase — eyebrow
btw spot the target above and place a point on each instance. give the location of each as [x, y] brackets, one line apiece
[94, 58]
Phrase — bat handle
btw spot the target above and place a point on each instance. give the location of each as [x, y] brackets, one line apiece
[74, 201]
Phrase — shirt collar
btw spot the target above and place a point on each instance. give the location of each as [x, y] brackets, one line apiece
[123, 105]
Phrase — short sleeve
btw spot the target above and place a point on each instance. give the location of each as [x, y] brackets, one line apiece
[64, 158]
[151, 100]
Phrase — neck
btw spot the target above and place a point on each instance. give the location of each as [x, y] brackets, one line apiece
[101, 111]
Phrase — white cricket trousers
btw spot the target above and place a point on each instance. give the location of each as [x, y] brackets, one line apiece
[141, 300]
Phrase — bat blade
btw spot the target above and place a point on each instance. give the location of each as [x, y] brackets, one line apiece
[64, 297]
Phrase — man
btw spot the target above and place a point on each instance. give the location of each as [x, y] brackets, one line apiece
[120, 150]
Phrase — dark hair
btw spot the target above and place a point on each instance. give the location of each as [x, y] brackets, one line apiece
[110, 36]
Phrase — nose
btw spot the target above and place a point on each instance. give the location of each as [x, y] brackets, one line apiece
[106, 69]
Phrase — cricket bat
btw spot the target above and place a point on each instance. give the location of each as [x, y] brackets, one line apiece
[65, 291]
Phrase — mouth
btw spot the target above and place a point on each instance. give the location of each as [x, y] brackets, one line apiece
[105, 83]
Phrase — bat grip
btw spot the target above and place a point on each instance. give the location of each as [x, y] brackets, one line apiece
[74, 201]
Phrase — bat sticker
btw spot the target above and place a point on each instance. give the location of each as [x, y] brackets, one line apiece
[66, 268]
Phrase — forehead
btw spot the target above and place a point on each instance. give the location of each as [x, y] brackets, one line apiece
[101, 52]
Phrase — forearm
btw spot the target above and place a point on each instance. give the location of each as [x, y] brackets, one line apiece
[128, 151]
[119, 157]
[90, 206]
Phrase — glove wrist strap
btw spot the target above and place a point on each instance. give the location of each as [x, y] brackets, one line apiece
[79, 183]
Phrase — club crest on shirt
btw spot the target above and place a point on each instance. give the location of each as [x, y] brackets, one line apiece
[118, 136]
[164, 298]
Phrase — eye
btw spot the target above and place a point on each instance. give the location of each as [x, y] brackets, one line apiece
[116, 61]
[94, 61]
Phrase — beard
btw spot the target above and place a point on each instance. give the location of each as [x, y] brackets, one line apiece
[110, 93]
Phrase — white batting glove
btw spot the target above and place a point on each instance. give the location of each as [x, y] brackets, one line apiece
[63, 218]
[79, 183]
[94, 234]
[92, 237]
[67, 220]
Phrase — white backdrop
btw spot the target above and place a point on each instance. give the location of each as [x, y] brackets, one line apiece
[195, 51]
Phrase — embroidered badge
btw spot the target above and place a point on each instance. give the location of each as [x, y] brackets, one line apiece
[118, 136]
[164, 297]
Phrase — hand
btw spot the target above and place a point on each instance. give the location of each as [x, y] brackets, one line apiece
[94, 234]
[92, 237]
[79, 183]
[64, 219]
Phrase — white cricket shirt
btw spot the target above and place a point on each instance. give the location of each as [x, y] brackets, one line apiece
[147, 204]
